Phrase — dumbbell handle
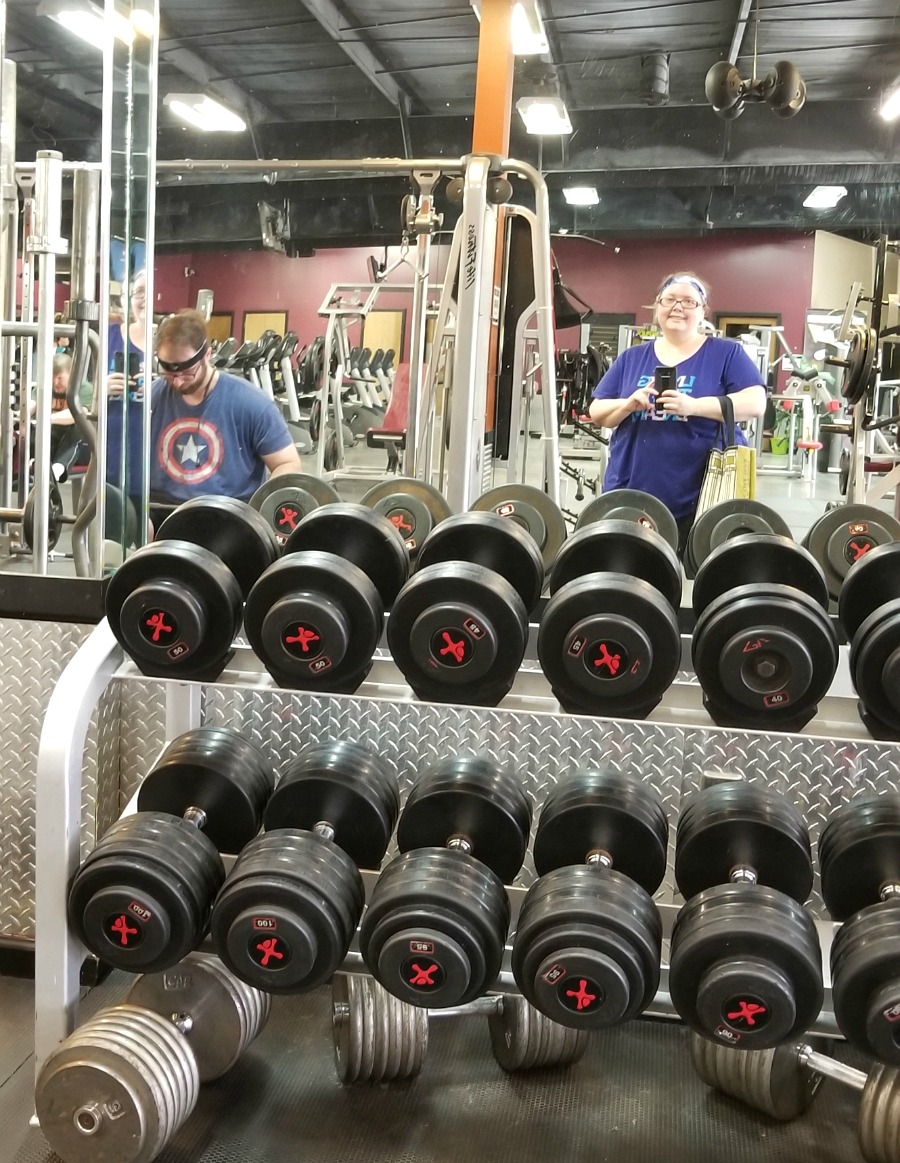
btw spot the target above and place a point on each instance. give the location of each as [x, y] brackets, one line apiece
[831, 1068]
[195, 816]
[489, 1004]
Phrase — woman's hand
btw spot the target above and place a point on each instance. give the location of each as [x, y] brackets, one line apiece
[641, 400]
[675, 403]
[115, 384]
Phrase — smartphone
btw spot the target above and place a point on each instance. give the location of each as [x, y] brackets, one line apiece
[134, 363]
[663, 378]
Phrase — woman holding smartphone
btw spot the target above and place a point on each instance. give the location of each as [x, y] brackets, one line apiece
[662, 399]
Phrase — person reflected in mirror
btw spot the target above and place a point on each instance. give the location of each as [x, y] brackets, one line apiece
[127, 374]
[210, 432]
[661, 440]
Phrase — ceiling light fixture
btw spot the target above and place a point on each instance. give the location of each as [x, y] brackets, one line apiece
[581, 195]
[527, 32]
[544, 115]
[203, 113]
[825, 197]
[890, 106]
[86, 20]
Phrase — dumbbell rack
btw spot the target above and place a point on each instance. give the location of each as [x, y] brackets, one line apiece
[677, 749]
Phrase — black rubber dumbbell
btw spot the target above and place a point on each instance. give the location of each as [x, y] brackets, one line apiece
[412, 506]
[631, 505]
[141, 900]
[436, 923]
[728, 519]
[284, 500]
[532, 510]
[859, 861]
[764, 649]
[459, 626]
[315, 617]
[745, 967]
[175, 605]
[845, 536]
[869, 610]
[586, 952]
[284, 919]
[608, 640]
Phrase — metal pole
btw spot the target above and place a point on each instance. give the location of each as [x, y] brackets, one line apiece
[307, 168]
[9, 223]
[414, 420]
[46, 244]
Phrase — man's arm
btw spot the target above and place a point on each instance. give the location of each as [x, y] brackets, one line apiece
[285, 460]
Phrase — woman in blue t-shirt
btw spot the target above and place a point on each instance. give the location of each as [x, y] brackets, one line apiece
[664, 450]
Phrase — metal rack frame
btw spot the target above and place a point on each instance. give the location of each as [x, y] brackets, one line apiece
[831, 760]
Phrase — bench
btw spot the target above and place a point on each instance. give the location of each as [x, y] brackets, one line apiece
[392, 433]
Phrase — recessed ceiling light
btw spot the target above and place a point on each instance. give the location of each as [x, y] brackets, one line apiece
[203, 113]
[581, 195]
[544, 115]
[825, 197]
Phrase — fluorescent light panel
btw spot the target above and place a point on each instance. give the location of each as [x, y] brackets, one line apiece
[825, 197]
[527, 31]
[545, 116]
[87, 21]
[581, 195]
[203, 113]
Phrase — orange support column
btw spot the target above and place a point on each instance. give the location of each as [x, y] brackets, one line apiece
[494, 79]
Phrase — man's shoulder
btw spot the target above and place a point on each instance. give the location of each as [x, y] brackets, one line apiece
[238, 388]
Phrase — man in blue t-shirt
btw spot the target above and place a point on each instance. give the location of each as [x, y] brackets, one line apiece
[210, 432]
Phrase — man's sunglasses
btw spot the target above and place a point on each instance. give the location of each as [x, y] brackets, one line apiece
[183, 365]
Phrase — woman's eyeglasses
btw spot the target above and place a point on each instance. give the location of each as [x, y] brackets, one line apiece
[669, 301]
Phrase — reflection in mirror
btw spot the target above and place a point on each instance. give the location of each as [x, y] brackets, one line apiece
[129, 145]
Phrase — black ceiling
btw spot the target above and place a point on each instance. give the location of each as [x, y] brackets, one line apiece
[349, 78]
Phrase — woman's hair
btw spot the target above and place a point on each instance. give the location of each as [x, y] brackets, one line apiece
[700, 286]
[62, 363]
[186, 328]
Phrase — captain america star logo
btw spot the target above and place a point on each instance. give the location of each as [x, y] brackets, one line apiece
[190, 451]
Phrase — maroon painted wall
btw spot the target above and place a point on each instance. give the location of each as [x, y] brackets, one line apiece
[750, 273]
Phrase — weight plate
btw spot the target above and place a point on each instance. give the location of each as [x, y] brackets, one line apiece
[377, 1037]
[523, 1039]
[861, 356]
[773, 1081]
[602, 811]
[230, 529]
[331, 458]
[458, 633]
[175, 608]
[631, 505]
[873, 583]
[55, 513]
[620, 547]
[758, 559]
[859, 853]
[739, 825]
[609, 645]
[217, 771]
[435, 926]
[412, 506]
[879, 1115]
[225, 1014]
[533, 510]
[587, 947]
[284, 500]
[360, 536]
[865, 984]
[845, 536]
[764, 656]
[745, 967]
[473, 798]
[286, 915]
[346, 785]
[487, 540]
[875, 667]
[314, 619]
[731, 519]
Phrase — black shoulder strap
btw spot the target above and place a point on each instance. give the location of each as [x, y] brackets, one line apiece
[727, 420]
